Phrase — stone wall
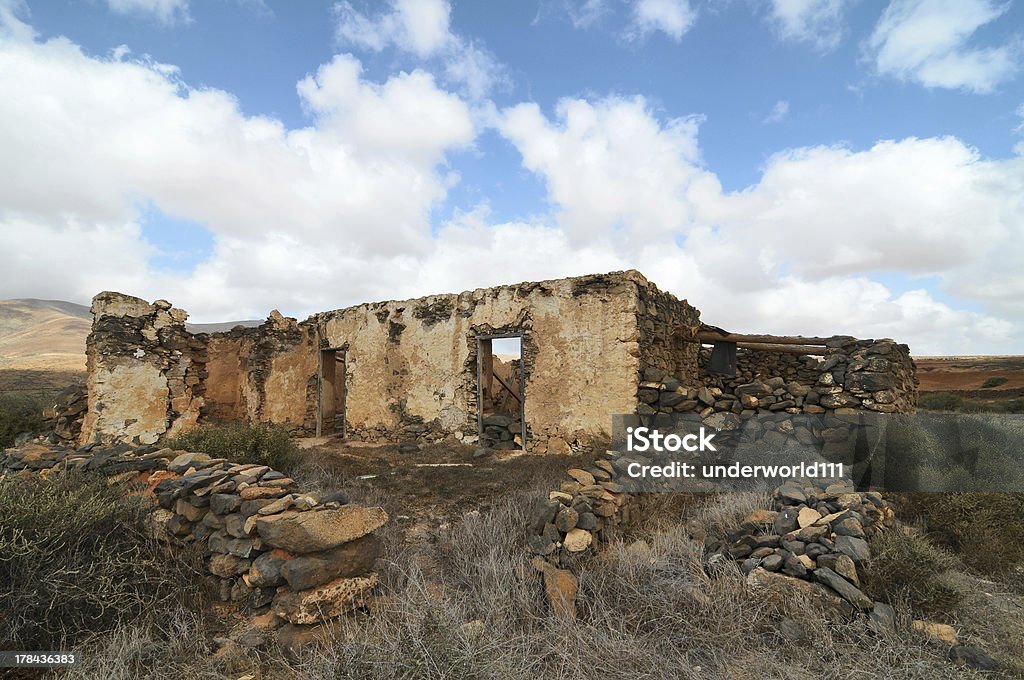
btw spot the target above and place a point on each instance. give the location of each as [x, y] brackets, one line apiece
[870, 375]
[266, 545]
[592, 346]
[667, 328]
[412, 365]
[146, 372]
[754, 365]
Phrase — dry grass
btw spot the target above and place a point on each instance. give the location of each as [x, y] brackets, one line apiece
[464, 602]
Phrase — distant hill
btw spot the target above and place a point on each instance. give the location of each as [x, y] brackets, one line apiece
[43, 335]
[49, 335]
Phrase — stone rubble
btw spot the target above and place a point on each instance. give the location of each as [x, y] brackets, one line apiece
[268, 546]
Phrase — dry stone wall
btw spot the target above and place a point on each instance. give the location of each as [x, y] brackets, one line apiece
[667, 329]
[267, 545]
[872, 375]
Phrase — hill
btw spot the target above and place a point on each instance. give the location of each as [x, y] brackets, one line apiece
[46, 335]
[49, 335]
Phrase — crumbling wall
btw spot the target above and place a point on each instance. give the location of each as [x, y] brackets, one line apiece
[667, 329]
[226, 375]
[146, 373]
[411, 365]
[870, 375]
[281, 374]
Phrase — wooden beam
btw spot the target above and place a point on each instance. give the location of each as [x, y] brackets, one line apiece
[505, 385]
[713, 336]
[782, 349]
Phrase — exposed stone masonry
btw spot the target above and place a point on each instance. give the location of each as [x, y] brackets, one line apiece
[268, 546]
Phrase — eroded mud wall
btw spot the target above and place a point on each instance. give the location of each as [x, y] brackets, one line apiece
[146, 373]
[411, 365]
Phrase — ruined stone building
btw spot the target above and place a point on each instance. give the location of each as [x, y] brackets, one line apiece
[422, 370]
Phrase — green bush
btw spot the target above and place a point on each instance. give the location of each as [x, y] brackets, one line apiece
[19, 413]
[986, 530]
[75, 562]
[263, 443]
[939, 401]
[994, 381]
[906, 565]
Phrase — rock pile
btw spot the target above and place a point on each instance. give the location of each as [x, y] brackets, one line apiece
[816, 532]
[64, 416]
[268, 545]
[572, 524]
[502, 432]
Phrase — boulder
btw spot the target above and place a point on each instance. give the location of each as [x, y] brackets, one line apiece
[349, 559]
[320, 529]
[265, 571]
[847, 590]
[323, 602]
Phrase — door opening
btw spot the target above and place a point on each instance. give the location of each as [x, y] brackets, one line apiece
[501, 391]
[331, 413]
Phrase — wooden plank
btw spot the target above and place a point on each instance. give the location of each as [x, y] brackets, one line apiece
[486, 375]
[782, 349]
[713, 336]
[510, 390]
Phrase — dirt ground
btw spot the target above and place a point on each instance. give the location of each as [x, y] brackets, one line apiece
[435, 484]
[957, 374]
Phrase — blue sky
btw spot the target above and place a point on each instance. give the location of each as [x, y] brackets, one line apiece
[787, 165]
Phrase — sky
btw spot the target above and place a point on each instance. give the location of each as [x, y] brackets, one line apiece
[787, 166]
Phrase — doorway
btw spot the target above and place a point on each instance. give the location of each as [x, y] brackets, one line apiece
[500, 394]
[331, 379]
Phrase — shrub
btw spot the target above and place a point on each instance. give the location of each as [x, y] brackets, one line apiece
[19, 413]
[994, 381]
[263, 443]
[939, 401]
[986, 530]
[905, 565]
[75, 562]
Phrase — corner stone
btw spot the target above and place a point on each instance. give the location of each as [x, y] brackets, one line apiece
[318, 530]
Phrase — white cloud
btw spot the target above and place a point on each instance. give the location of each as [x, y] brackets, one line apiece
[610, 166]
[168, 12]
[926, 41]
[818, 22]
[778, 112]
[587, 13]
[421, 28]
[672, 17]
[794, 252]
[339, 211]
[417, 26]
[363, 178]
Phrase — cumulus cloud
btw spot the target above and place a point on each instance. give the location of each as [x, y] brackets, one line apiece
[926, 41]
[610, 166]
[421, 28]
[365, 174]
[339, 211]
[672, 17]
[168, 12]
[817, 22]
[794, 252]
